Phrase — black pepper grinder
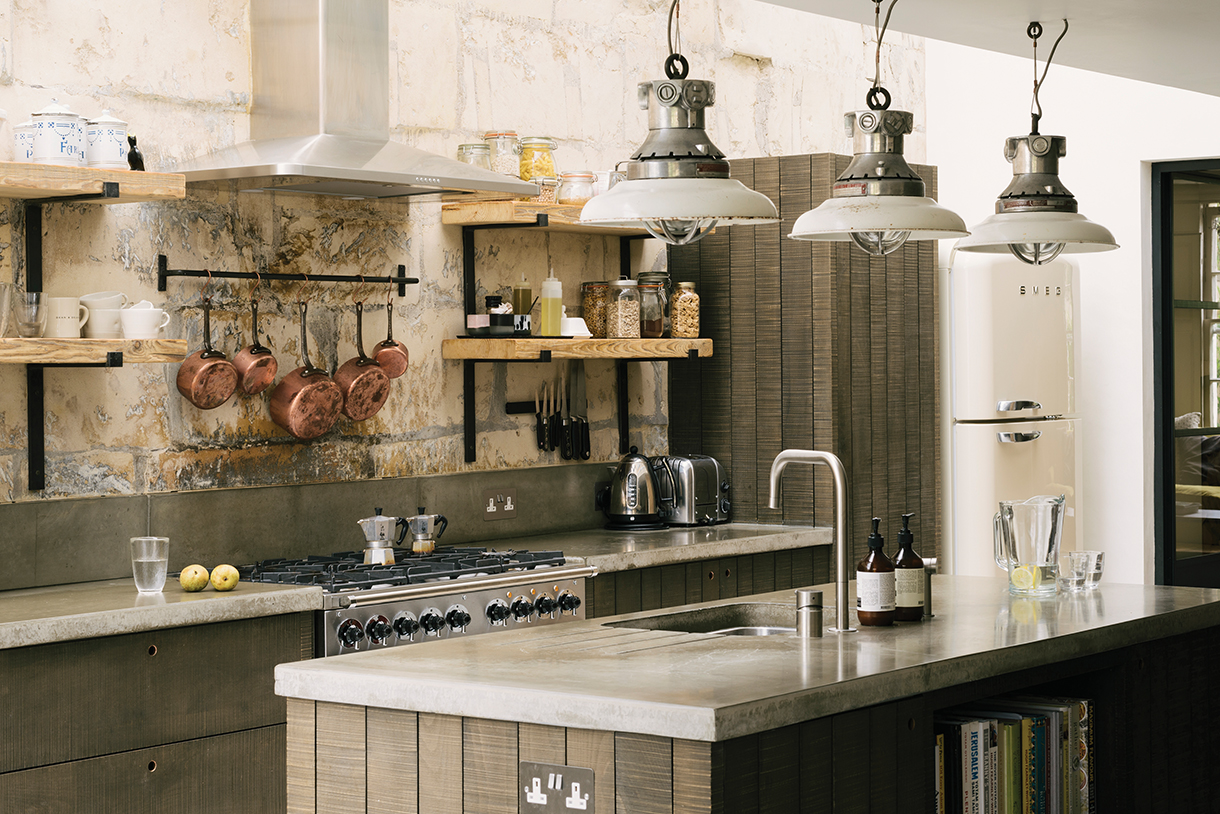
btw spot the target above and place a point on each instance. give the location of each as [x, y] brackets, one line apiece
[135, 159]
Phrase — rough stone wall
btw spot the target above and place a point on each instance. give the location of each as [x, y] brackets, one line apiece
[179, 74]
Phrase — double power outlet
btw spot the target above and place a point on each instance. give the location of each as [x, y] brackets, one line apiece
[499, 504]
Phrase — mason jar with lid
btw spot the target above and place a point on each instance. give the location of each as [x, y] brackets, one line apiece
[538, 157]
[505, 151]
[652, 310]
[660, 278]
[547, 187]
[576, 187]
[623, 310]
[593, 297]
[476, 155]
[684, 312]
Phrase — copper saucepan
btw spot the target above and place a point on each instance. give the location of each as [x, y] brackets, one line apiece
[391, 355]
[206, 378]
[255, 364]
[364, 384]
[306, 402]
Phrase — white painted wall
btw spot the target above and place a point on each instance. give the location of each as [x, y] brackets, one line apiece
[976, 99]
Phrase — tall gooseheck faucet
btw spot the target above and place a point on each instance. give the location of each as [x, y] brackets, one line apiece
[811, 457]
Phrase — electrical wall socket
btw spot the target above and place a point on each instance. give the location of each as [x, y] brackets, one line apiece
[499, 504]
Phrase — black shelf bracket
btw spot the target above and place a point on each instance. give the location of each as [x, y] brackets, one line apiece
[164, 272]
[33, 229]
[35, 405]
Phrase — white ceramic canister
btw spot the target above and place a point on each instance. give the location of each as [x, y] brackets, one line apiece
[106, 142]
[59, 136]
[23, 141]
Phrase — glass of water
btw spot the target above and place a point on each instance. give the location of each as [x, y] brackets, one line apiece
[1096, 563]
[149, 562]
[1074, 570]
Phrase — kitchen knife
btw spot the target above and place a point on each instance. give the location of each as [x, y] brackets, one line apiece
[580, 430]
[539, 425]
[567, 447]
[556, 418]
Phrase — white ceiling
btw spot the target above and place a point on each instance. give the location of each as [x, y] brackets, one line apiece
[1166, 42]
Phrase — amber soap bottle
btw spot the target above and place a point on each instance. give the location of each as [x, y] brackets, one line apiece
[908, 576]
[875, 582]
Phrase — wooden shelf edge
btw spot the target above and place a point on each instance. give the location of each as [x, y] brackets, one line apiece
[49, 351]
[47, 182]
[493, 349]
[562, 217]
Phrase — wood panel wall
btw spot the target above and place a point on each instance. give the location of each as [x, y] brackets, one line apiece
[817, 346]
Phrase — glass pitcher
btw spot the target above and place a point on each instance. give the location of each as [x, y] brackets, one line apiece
[1027, 535]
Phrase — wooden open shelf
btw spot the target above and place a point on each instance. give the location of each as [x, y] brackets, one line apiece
[494, 349]
[48, 351]
[46, 182]
[561, 217]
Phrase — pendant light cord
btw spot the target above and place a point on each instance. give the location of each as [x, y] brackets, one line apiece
[878, 97]
[676, 66]
[1034, 31]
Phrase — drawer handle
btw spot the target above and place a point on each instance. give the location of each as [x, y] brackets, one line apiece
[152, 765]
[152, 651]
[1018, 437]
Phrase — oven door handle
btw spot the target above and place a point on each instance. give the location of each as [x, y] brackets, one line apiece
[449, 587]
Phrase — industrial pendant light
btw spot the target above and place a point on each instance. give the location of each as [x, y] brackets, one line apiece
[678, 186]
[878, 202]
[1035, 216]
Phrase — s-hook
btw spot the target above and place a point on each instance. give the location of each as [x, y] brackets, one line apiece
[878, 98]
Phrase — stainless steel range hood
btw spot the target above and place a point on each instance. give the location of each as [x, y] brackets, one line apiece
[320, 120]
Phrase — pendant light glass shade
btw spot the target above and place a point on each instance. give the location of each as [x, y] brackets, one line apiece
[878, 202]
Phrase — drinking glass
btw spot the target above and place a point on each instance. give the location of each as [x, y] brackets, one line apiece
[1074, 570]
[30, 310]
[149, 562]
[1096, 563]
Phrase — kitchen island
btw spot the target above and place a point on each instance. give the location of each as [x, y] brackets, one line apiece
[675, 721]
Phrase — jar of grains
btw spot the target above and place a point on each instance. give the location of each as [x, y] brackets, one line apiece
[684, 312]
[476, 155]
[652, 310]
[660, 278]
[505, 151]
[538, 157]
[593, 298]
[575, 188]
[547, 188]
[623, 310]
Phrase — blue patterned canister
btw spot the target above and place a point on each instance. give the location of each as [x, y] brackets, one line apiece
[59, 136]
[106, 142]
[23, 141]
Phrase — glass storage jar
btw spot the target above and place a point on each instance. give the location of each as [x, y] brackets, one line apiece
[476, 155]
[593, 297]
[546, 189]
[684, 312]
[576, 187]
[505, 151]
[538, 157]
[660, 278]
[623, 310]
[652, 310]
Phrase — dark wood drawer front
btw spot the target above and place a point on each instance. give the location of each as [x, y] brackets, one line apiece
[242, 771]
[82, 699]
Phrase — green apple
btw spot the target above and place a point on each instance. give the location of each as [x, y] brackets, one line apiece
[193, 578]
[224, 577]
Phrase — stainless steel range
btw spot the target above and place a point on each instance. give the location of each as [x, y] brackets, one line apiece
[428, 597]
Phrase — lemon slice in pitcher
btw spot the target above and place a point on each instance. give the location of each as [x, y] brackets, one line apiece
[1025, 577]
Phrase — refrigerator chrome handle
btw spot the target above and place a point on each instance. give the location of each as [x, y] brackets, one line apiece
[1017, 437]
[1019, 404]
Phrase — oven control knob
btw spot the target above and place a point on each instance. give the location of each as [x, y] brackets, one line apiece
[498, 612]
[431, 620]
[522, 609]
[405, 626]
[544, 605]
[379, 629]
[568, 602]
[350, 632]
[458, 618]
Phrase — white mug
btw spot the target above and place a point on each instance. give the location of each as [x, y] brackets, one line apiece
[143, 323]
[104, 324]
[104, 299]
[65, 317]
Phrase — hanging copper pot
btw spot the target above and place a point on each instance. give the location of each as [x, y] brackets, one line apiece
[255, 364]
[364, 384]
[306, 402]
[206, 378]
[391, 355]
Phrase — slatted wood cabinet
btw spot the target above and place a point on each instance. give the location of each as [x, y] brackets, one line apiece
[176, 720]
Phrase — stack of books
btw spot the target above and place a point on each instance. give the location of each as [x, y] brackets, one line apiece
[1019, 754]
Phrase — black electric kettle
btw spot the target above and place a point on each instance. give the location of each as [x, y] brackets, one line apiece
[632, 500]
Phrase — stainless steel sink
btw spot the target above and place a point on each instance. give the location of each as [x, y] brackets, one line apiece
[738, 619]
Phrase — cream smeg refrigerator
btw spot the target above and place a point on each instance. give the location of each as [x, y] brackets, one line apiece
[1015, 427]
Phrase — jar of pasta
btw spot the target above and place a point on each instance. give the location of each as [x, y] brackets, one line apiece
[593, 298]
[623, 310]
[538, 157]
[684, 312]
[505, 151]
[575, 188]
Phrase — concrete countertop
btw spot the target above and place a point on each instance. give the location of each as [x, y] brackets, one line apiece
[709, 687]
[88, 610]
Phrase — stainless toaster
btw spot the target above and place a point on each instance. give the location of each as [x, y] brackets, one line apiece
[693, 489]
